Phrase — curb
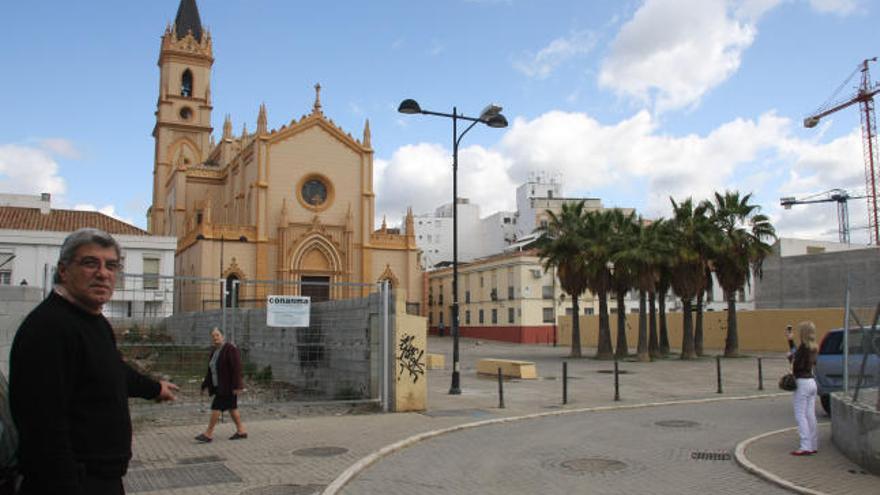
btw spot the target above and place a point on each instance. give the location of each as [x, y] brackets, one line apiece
[745, 463]
[370, 459]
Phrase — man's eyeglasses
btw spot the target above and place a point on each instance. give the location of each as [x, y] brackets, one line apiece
[92, 263]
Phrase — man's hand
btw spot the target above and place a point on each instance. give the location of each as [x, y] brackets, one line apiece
[238, 391]
[167, 392]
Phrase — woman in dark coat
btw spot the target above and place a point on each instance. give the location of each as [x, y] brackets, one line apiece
[223, 381]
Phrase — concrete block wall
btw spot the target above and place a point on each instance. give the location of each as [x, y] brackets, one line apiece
[332, 358]
[15, 303]
[819, 280]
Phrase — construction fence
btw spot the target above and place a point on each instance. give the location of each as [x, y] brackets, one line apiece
[163, 327]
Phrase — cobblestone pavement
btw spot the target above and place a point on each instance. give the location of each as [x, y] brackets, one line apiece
[648, 450]
[295, 449]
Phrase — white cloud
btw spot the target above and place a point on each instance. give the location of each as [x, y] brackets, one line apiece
[29, 170]
[759, 155]
[837, 7]
[541, 64]
[672, 52]
[64, 148]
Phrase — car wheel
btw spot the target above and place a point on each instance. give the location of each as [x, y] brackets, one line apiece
[825, 399]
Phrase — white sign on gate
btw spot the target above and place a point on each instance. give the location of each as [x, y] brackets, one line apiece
[288, 311]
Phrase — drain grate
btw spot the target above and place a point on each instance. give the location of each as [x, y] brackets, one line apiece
[611, 372]
[285, 490]
[457, 412]
[710, 456]
[148, 480]
[320, 451]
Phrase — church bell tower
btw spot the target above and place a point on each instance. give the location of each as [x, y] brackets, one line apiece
[183, 116]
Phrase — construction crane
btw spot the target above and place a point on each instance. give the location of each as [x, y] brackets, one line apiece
[838, 196]
[864, 96]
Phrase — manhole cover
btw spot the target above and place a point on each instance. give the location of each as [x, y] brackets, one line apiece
[611, 372]
[285, 490]
[710, 456]
[320, 452]
[677, 423]
[148, 480]
[200, 459]
[586, 465]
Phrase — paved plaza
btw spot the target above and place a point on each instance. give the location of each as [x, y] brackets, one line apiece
[535, 444]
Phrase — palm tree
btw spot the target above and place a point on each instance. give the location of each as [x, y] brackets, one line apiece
[562, 245]
[598, 232]
[687, 274]
[624, 268]
[738, 251]
[664, 284]
[643, 255]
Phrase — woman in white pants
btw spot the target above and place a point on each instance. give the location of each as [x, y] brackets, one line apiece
[803, 360]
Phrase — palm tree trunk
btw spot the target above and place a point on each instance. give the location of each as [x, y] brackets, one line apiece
[664, 333]
[604, 351]
[698, 328]
[653, 343]
[575, 329]
[687, 331]
[642, 347]
[622, 350]
[731, 344]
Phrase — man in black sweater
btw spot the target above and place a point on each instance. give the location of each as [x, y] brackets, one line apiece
[68, 384]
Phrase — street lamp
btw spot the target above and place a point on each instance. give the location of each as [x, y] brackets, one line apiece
[492, 117]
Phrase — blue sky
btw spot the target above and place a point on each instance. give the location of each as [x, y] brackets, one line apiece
[630, 101]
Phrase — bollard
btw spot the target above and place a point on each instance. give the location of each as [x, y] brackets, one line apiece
[718, 369]
[760, 375]
[564, 382]
[500, 390]
[616, 382]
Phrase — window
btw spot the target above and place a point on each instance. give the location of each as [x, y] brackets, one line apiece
[549, 317]
[232, 290]
[430, 318]
[482, 319]
[481, 281]
[568, 311]
[547, 292]
[186, 84]
[467, 296]
[511, 315]
[6, 268]
[588, 311]
[120, 276]
[510, 292]
[493, 294]
[440, 314]
[151, 273]
[467, 317]
[440, 297]
[495, 316]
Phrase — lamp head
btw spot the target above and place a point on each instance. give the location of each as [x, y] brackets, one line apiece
[409, 106]
[490, 111]
[497, 121]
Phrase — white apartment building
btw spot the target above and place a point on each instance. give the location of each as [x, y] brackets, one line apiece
[31, 233]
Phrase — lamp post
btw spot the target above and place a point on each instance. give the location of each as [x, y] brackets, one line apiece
[492, 117]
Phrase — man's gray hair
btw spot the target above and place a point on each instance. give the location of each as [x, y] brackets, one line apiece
[81, 238]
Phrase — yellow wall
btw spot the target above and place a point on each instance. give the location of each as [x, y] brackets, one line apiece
[760, 330]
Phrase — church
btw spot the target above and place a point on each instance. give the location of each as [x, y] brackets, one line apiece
[294, 204]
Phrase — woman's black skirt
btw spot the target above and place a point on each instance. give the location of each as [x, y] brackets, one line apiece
[224, 402]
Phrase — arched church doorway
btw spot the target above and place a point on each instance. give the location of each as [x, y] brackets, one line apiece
[316, 287]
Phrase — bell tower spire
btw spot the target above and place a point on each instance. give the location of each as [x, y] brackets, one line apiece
[183, 113]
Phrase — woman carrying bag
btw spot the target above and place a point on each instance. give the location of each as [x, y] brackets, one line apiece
[803, 360]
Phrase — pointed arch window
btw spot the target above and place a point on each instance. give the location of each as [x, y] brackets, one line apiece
[186, 84]
[232, 291]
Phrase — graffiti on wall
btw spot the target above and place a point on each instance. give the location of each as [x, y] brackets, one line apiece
[409, 358]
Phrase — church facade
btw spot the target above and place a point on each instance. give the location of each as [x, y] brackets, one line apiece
[294, 204]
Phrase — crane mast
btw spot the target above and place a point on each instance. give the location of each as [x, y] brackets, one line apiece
[865, 98]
